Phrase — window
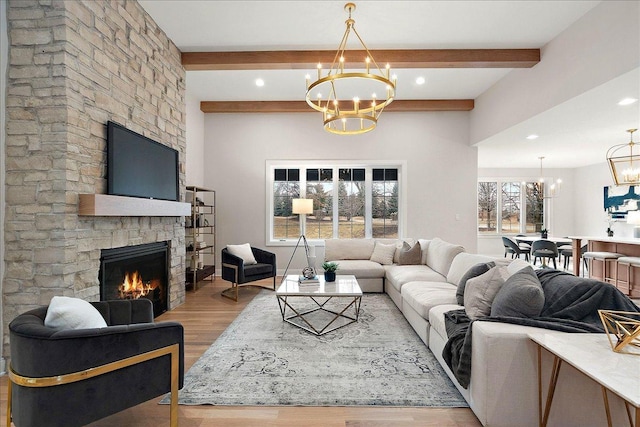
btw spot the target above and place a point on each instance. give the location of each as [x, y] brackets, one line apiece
[517, 208]
[384, 202]
[286, 186]
[320, 190]
[351, 201]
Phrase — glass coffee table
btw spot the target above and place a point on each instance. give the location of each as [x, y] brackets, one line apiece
[321, 307]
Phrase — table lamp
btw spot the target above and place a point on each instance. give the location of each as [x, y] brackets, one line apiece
[633, 217]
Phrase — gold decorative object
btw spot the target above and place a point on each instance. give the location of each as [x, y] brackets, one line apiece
[355, 113]
[625, 327]
[625, 168]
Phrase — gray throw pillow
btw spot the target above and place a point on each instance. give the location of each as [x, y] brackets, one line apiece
[520, 296]
[410, 255]
[474, 271]
[481, 291]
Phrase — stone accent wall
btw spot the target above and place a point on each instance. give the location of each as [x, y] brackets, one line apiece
[73, 66]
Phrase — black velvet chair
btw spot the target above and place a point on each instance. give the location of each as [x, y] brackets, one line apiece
[235, 271]
[74, 377]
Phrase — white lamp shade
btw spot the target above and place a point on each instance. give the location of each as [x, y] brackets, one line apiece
[633, 217]
[302, 206]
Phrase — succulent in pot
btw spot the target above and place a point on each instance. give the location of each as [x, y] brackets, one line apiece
[330, 271]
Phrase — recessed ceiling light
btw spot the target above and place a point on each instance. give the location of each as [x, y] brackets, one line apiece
[627, 101]
[532, 136]
[259, 82]
[420, 80]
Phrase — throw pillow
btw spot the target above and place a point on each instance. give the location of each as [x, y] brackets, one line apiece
[244, 252]
[72, 313]
[383, 254]
[520, 296]
[410, 255]
[474, 271]
[480, 292]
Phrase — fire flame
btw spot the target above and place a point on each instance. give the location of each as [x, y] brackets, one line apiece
[133, 287]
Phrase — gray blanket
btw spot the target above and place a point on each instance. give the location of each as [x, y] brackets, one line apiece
[571, 305]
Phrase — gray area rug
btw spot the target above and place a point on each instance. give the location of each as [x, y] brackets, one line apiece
[261, 360]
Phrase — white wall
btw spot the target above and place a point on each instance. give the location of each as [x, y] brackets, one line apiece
[195, 140]
[586, 55]
[561, 221]
[4, 61]
[441, 169]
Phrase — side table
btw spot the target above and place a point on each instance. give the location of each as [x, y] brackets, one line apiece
[591, 354]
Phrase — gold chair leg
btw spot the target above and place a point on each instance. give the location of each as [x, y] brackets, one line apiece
[232, 292]
[175, 368]
[9, 383]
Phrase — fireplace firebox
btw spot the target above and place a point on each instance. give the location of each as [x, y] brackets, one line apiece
[133, 272]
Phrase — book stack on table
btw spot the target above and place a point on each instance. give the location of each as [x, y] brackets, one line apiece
[308, 280]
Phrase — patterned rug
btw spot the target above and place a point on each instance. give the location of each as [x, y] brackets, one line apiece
[261, 360]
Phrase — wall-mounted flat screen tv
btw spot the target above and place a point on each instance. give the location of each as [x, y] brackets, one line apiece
[140, 167]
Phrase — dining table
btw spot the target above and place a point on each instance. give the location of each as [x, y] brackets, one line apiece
[559, 241]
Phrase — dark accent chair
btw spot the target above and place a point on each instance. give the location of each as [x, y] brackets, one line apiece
[511, 247]
[76, 376]
[544, 249]
[234, 270]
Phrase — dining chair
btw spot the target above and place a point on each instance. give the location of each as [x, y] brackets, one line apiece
[511, 247]
[544, 249]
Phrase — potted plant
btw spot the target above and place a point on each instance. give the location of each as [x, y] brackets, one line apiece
[544, 233]
[330, 271]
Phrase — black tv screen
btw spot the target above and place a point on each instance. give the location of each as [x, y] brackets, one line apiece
[140, 167]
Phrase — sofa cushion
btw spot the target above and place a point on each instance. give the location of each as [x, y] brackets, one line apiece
[338, 249]
[422, 296]
[462, 263]
[397, 275]
[481, 290]
[410, 255]
[440, 255]
[362, 269]
[520, 296]
[424, 246]
[72, 313]
[436, 318]
[474, 271]
[383, 254]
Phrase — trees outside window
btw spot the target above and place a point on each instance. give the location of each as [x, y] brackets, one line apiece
[517, 208]
[348, 202]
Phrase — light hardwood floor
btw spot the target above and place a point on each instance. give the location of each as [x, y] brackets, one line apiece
[204, 316]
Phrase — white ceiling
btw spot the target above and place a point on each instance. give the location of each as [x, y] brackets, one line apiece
[574, 134]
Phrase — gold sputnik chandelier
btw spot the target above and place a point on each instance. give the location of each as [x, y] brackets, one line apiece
[351, 101]
[622, 166]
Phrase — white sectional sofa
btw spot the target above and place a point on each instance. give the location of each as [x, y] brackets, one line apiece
[503, 389]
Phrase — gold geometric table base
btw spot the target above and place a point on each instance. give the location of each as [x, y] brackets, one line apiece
[625, 327]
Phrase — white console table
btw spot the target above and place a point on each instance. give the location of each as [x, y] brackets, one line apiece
[592, 355]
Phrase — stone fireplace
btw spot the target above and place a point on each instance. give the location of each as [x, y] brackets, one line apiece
[134, 272]
[71, 67]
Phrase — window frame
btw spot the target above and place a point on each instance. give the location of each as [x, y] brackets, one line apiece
[523, 205]
[303, 165]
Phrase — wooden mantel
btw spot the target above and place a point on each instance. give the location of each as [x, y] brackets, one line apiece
[107, 205]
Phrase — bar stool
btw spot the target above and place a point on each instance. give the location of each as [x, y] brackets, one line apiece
[604, 257]
[629, 262]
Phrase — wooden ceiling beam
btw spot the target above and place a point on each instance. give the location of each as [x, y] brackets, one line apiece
[404, 58]
[302, 107]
